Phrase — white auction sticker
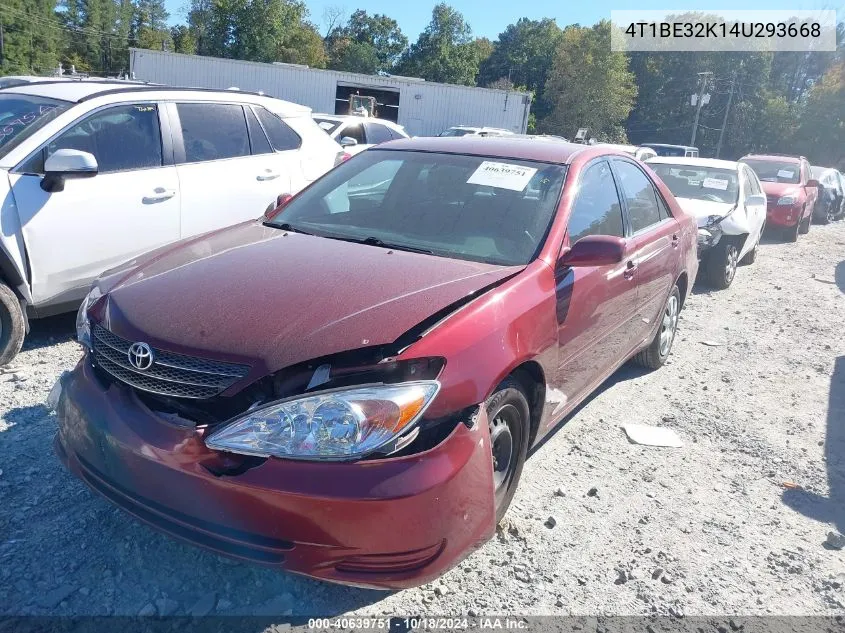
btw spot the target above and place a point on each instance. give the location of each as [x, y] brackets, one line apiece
[502, 175]
[786, 173]
[715, 183]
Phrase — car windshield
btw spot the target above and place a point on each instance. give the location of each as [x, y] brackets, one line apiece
[699, 183]
[493, 210]
[775, 171]
[327, 125]
[456, 131]
[21, 115]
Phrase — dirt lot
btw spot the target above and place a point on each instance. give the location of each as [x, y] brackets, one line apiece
[710, 528]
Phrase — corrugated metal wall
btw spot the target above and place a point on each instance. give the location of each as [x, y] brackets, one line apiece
[425, 108]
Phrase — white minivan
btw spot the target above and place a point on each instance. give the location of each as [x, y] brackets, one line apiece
[95, 173]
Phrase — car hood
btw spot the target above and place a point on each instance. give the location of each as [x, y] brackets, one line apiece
[269, 298]
[780, 188]
[703, 209]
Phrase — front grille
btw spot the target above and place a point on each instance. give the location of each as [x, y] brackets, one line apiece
[772, 200]
[170, 374]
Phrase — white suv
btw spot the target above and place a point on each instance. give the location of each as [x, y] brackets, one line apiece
[94, 173]
[355, 133]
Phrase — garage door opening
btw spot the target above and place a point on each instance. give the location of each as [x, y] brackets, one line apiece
[387, 101]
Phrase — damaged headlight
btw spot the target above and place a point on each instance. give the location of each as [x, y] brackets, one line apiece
[341, 424]
[83, 325]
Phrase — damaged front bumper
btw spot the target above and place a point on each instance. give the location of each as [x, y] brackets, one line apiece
[384, 523]
[708, 237]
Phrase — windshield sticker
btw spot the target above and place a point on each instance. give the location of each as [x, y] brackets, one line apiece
[502, 175]
[785, 173]
[715, 183]
[8, 128]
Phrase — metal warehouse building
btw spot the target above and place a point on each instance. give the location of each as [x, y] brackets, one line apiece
[424, 108]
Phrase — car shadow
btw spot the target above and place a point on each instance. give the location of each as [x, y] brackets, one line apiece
[628, 371]
[50, 330]
[68, 552]
[829, 509]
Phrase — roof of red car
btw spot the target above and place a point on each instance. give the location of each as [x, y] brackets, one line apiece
[543, 149]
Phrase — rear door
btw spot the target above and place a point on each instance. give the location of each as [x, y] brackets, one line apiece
[131, 206]
[595, 305]
[228, 171]
[654, 238]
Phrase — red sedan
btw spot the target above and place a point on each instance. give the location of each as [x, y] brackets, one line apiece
[348, 387]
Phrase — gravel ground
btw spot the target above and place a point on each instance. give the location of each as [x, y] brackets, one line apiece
[735, 522]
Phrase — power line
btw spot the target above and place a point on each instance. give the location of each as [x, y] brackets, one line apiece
[84, 30]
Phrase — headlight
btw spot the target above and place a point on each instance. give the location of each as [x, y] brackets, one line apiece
[342, 424]
[83, 326]
[784, 201]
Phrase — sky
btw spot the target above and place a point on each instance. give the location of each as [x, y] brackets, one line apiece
[489, 18]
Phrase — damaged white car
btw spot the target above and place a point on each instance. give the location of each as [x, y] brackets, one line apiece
[729, 204]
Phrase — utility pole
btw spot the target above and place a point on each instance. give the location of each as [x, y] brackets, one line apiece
[725, 118]
[702, 78]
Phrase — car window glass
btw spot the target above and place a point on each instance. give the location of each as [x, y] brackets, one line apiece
[639, 196]
[377, 133]
[257, 139]
[281, 136]
[213, 131]
[453, 205]
[596, 210]
[120, 138]
[353, 131]
[396, 133]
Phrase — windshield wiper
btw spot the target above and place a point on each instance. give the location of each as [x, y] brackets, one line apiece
[375, 241]
[284, 226]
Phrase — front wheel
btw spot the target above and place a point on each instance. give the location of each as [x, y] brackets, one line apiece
[658, 350]
[804, 225]
[720, 267]
[791, 233]
[509, 421]
[12, 325]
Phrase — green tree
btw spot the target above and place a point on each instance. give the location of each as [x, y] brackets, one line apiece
[523, 55]
[821, 131]
[589, 85]
[31, 36]
[150, 25]
[444, 52]
[183, 39]
[352, 56]
[381, 33]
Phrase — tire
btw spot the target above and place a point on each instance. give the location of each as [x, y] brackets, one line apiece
[791, 233]
[509, 420]
[804, 225]
[12, 325]
[720, 265]
[824, 218]
[658, 350]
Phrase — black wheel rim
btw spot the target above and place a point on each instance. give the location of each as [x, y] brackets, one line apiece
[502, 445]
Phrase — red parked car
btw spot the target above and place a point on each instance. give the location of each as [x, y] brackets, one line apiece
[791, 192]
[348, 387]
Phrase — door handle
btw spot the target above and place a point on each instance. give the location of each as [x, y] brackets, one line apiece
[159, 194]
[268, 175]
[675, 240]
[630, 269]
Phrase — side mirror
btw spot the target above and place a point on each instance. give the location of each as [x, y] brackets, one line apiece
[594, 250]
[812, 183]
[275, 209]
[347, 141]
[756, 199]
[67, 163]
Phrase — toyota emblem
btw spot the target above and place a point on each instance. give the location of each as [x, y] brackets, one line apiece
[140, 356]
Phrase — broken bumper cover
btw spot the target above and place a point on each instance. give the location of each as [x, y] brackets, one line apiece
[391, 523]
[783, 215]
[708, 237]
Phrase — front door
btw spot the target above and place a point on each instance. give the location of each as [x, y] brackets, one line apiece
[595, 305]
[131, 206]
